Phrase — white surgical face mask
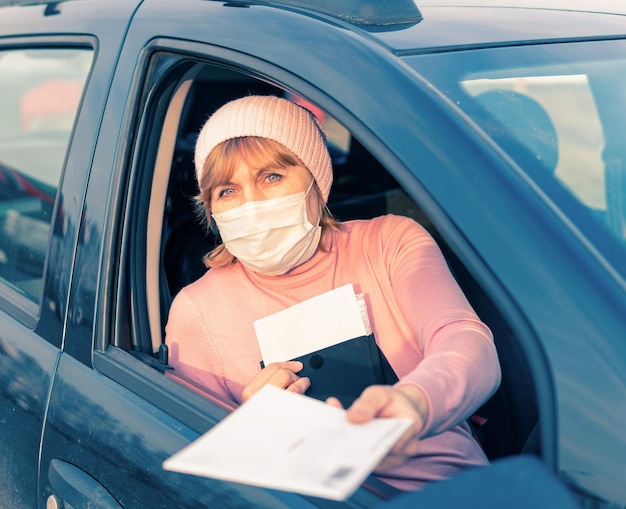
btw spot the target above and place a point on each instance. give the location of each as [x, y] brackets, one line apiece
[271, 236]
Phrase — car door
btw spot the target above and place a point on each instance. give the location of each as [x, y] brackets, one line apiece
[114, 416]
[45, 66]
[35, 242]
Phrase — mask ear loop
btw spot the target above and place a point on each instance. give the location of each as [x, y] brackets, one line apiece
[310, 185]
[319, 211]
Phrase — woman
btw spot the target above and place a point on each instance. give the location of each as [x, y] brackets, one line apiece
[264, 175]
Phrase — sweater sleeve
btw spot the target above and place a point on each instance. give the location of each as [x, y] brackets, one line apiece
[192, 352]
[460, 368]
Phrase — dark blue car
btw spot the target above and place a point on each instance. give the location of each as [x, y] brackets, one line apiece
[500, 126]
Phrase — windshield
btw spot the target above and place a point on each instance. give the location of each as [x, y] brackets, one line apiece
[558, 112]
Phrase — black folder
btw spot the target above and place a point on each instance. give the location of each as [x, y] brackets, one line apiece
[343, 370]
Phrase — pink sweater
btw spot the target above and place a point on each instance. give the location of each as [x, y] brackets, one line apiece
[421, 320]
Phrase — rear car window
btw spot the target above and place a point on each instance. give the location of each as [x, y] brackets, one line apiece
[40, 90]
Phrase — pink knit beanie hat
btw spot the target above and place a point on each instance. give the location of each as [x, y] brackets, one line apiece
[265, 116]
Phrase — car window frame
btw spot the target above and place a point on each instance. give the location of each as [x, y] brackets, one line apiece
[135, 371]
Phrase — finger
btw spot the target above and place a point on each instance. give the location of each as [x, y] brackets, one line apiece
[369, 404]
[398, 455]
[276, 374]
[294, 366]
[407, 445]
[300, 385]
[283, 378]
[404, 448]
[332, 401]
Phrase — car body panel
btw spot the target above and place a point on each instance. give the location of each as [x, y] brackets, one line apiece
[122, 429]
[107, 452]
[27, 369]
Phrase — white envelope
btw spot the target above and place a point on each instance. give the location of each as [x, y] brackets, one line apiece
[283, 440]
[311, 325]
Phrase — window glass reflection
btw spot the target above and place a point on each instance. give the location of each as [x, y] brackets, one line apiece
[40, 91]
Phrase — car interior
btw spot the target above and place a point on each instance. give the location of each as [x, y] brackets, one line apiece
[176, 241]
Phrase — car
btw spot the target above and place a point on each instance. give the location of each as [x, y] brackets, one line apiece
[498, 125]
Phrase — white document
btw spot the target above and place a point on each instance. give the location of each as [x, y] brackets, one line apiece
[287, 441]
[316, 323]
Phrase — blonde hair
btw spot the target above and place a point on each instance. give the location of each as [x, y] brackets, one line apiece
[219, 167]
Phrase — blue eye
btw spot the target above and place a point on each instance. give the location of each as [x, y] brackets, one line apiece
[274, 177]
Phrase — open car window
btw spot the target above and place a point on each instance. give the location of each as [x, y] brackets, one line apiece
[165, 240]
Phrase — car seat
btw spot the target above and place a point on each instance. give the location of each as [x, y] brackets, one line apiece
[185, 239]
[524, 130]
[521, 126]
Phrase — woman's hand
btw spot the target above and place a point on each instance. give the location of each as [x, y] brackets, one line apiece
[280, 374]
[406, 401]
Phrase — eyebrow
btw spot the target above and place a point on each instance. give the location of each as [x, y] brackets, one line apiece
[258, 171]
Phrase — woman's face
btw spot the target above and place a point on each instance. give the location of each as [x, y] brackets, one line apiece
[248, 183]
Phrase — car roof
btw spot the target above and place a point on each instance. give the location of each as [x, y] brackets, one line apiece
[608, 6]
[458, 24]
[413, 27]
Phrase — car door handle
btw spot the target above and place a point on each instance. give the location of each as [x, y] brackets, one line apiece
[77, 488]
